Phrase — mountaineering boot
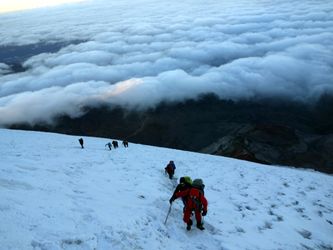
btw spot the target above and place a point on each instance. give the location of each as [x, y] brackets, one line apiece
[189, 224]
[200, 226]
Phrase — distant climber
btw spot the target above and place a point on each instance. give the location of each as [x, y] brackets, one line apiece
[196, 202]
[125, 143]
[115, 144]
[109, 145]
[170, 169]
[81, 142]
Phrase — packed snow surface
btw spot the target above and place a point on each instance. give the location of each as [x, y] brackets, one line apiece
[55, 195]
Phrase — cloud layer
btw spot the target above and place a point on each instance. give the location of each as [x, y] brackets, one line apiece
[139, 53]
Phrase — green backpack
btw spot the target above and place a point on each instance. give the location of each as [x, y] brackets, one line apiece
[188, 180]
[198, 183]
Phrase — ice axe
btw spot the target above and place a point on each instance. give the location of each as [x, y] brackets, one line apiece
[168, 214]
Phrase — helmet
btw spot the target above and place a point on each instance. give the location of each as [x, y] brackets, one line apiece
[182, 180]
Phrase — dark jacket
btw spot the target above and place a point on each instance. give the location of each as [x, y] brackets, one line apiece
[181, 187]
[170, 168]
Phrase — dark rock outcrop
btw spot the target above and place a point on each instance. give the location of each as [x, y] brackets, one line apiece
[279, 132]
[276, 144]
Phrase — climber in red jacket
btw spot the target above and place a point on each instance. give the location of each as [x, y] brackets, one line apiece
[196, 202]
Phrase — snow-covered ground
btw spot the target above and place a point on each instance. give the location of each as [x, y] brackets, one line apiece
[55, 195]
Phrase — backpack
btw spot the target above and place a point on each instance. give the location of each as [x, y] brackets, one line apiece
[196, 199]
[188, 180]
[198, 183]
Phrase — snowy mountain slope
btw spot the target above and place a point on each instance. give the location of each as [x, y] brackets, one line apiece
[55, 195]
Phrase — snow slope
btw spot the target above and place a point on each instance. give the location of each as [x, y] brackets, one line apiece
[55, 195]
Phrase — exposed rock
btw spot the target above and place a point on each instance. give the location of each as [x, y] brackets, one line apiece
[276, 144]
[279, 132]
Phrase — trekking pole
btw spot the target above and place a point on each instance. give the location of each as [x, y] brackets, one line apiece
[202, 219]
[167, 214]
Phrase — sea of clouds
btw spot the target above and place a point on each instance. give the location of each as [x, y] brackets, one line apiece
[139, 53]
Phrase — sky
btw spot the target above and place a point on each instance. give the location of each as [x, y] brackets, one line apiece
[56, 196]
[137, 54]
[18, 5]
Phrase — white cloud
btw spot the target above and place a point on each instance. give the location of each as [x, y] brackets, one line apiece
[17, 5]
[157, 51]
[4, 68]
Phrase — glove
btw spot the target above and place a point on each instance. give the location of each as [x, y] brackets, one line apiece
[204, 213]
[171, 199]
